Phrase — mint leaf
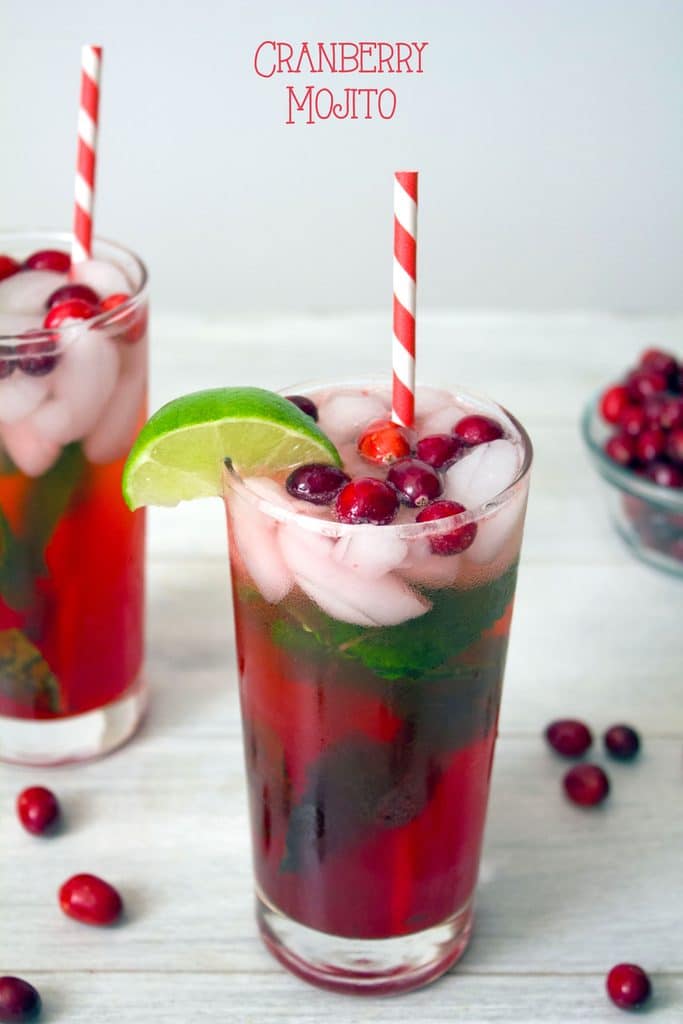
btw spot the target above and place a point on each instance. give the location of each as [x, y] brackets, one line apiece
[15, 577]
[47, 501]
[25, 676]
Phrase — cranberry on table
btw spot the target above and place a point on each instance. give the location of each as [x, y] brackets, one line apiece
[658, 361]
[383, 441]
[306, 405]
[8, 266]
[621, 449]
[633, 419]
[622, 742]
[569, 737]
[38, 356]
[316, 482]
[586, 784]
[90, 900]
[664, 474]
[439, 450]
[71, 309]
[19, 1001]
[367, 500]
[475, 430]
[628, 986]
[455, 541]
[417, 483]
[73, 291]
[613, 403]
[48, 259]
[650, 444]
[38, 809]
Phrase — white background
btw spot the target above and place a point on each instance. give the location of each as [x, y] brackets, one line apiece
[548, 134]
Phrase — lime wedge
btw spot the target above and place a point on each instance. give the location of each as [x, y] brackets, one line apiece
[179, 453]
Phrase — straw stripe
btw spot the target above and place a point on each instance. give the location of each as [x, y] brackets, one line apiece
[86, 156]
[405, 292]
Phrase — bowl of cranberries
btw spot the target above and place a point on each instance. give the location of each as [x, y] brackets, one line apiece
[634, 433]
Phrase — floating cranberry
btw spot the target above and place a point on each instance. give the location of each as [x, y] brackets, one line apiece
[19, 1001]
[643, 383]
[73, 291]
[674, 446]
[90, 900]
[477, 430]
[455, 541]
[621, 449]
[8, 266]
[632, 420]
[49, 259]
[664, 474]
[132, 322]
[383, 441]
[622, 742]
[367, 500]
[416, 482]
[38, 356]
[38, 809]
[7, 361]
[659, 362]
[650, 444]
[316, 482]
[613, 403]
[569, 737]
[586, 784]
[306, 405]
[72, 309]
[628, 986]
[439, 450]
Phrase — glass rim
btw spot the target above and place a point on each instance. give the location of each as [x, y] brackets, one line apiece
[104, 319]
[404, 531]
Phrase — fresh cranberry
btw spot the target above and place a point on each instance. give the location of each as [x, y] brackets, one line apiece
[132, 322]
[8, 266]
[477, 430]
[569, 737]
[49, 259]
[586, 784]
[674, 446]
[38, 356]
[367, 500]
[416, 482]
[621, 448]
[455, 541]
[439, 450]
[643, 383]
[305, 404]
[650, 444]
[628, 986]
[622, 741]
[613, 403]
[632, 420]
[383, 441]
[73, 291]
[72, 309]
[671, 412]
[38, 809]
[664, 474]
[19, 1001]
[316, 482]
[659, 362]
[90, 900]
[7, 361]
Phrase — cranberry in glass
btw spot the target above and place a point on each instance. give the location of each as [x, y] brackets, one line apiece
[628, 986]
[38, 356]
[632, 420]
[613, 403]
[367, 500]
[306, 405]
[569, 737]
[621, 449]
[72, 309]
[674, 446]
[658, 361]
[73, 291]
[477, 430]
[7, 361]
[38, 809]
[455, 541]
[19, 1001]
[383, 441]
[8, 266]
[439, 450]
[643, 383]
[416, 482]
[49, 259]
[90, 900]
[133, 322]
[586, 784]
[622, 741]
[650, 444]
[316, 482]
[664, 474]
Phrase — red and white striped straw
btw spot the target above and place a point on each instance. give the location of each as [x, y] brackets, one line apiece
[405, 278]
[91, 64]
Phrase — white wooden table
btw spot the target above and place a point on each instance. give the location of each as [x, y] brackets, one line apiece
[565, 893]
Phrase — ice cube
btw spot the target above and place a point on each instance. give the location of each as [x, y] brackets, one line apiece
[441, 421]
[494, 532]
[14, 324]
[344, 414]
[254, 535]
[82, 383]
[28, 291]
[370, 552]
[20, 394]
[430, 400]
[116, 428]
[483, 473]
[105, 278]
[29, 452]
[356, 465]
[424, 567]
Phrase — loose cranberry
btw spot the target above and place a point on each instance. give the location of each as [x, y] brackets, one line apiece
[455, 541]
[586, 784]
[72, 309]
[7, 361]
[643, 383]
[477, 430]
[90, 900]
[674, 446]
[19, 1001]
[49, 259]
[316, 482]
[632, 420]
[650, 444]
[38, 809]
[664, 474]
[628, 986]
[569, 737]
[8, 266]
[439, 450]
[613, 403]
[416, 482]
[305, 404]
[659, 362]
[73, 291]
[367, 500]
[622, 741]
[622, 449]
[38, 356]
[383, 441]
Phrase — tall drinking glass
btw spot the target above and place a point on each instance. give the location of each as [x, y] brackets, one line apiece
[370, 665]
[72, 397]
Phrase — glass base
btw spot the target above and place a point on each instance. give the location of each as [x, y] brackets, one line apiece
[46, 742]
[364, 966]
